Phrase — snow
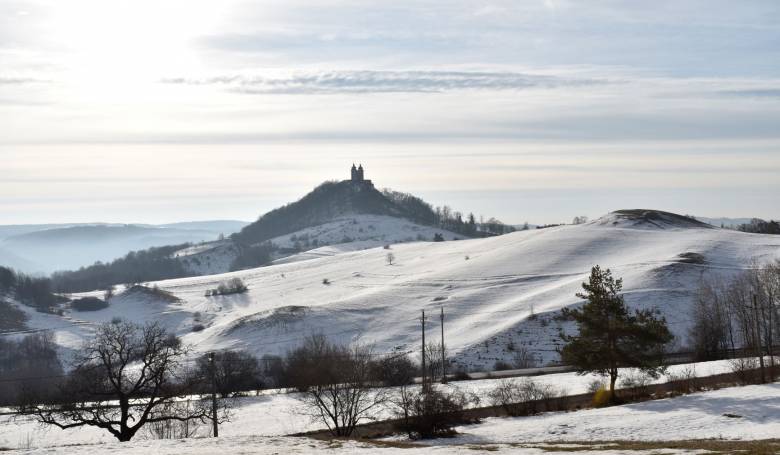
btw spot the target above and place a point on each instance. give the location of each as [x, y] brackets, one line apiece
[260, 445]
[737, 413]
[493, 291]
[276, 414]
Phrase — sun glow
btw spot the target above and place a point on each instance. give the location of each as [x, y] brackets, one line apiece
[117, 49]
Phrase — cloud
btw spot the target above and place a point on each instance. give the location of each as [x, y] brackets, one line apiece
[19, 80]
[753, 93]
[383, 82]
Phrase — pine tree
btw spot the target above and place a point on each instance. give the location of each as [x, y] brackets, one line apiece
[610, 336]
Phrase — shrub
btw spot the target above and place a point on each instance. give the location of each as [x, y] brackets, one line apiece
[637, 384]
[394, 370]
[524, 358]
[88, 304]
[11, 318]
[232, 286]
[601, 398]
[500, 365]
[745, 369]
[595, 385]
[523, 397]
[429, 413]
[198, 327]
[685, 380]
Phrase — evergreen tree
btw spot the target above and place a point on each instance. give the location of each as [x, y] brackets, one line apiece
[610, 336]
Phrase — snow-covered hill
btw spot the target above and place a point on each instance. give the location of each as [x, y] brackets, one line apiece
[347, 233]
[497, 293]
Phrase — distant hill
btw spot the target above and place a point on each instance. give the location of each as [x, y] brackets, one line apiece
[337, 216]
[330, 201]
[496, 292]
[47, 248]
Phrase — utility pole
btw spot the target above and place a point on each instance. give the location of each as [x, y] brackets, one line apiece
[758, 339]
[214, 422]
[443, 359]
[422, 319]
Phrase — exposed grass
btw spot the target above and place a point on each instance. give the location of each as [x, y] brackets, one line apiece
[715, 446]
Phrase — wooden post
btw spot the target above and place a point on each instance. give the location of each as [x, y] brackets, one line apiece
[214, 422]
[758, 339]
[422, 319]
[443, 359]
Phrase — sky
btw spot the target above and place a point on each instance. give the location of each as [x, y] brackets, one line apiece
[156, 111]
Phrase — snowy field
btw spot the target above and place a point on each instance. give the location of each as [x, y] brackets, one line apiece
[736, 413]
[282, 414]
[496, 292]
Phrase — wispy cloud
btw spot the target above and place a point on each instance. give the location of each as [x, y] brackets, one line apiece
[773, 92]
[19, 80]
[383, 82]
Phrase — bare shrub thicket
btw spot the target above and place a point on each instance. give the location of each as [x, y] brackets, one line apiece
[434, 368]
[427, 412]
[684, 380]
[524, 358]
[28, 367]
[174, 429]
[394, 370]
[524, 397]
[336, 383]
[636, 385]
[738, 317]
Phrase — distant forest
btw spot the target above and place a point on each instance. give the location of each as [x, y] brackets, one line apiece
[136, 267]
[759, 226]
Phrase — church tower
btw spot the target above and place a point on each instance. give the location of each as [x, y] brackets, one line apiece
[358, 177]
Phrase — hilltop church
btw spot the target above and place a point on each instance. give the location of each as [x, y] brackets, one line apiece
[358, 177]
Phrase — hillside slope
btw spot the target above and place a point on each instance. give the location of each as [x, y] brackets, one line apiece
[493, 290]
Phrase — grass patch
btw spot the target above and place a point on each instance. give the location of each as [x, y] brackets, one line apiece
[715, 446]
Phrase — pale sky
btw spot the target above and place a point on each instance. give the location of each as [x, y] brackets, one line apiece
[172, 110]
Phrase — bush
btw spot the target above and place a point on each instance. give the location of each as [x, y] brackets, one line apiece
[88, 304]
[745, 369]
[595, 385]
[601, 397]
[429, 413]
[500, 365]
[523, 397]
[198, 327]
[395, 370]
[524, 358]
[636, 384]
[232, 286]
[11, 318]
[684, 381]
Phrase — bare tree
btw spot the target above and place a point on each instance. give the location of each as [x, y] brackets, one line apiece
[336, 381]
[390, 258]
[127, 376]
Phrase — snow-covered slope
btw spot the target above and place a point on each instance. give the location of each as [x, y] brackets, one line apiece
[497, 293]
[347, 233]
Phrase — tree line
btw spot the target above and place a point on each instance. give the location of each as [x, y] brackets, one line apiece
[741, 312]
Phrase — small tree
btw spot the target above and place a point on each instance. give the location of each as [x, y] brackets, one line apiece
[390, 258]
[124, 378]
[233, 372]
[609, 336]
[336, 382]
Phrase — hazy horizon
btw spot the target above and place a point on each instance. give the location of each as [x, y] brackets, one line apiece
[149, 112]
